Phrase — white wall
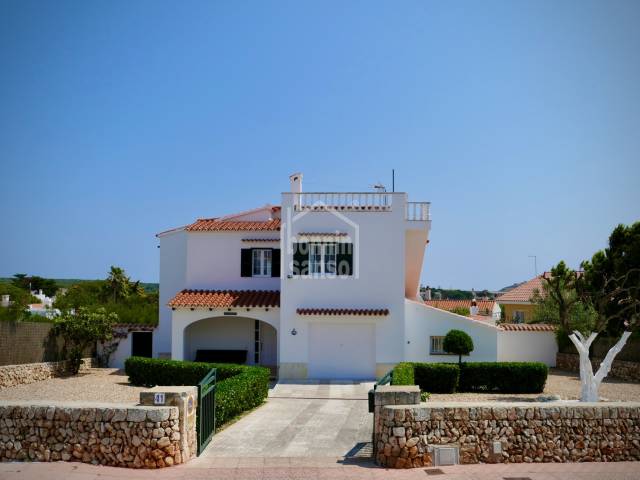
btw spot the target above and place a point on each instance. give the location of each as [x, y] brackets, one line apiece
[213, 261]
[379, 243]
[527, 347]
[173, 269]
[423, 322]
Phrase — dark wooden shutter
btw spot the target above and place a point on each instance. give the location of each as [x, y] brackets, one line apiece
[275, 262]
[246, 260]
[344, 259]
[301, 258]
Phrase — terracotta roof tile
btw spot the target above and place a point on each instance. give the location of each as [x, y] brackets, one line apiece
[484, 306]
[343, 311]
[215, 225]
[524, 292]
[260, 239]
[225, 298]
[527, 327]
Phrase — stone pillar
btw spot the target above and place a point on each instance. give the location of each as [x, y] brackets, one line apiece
[393, 445]
[185, 399]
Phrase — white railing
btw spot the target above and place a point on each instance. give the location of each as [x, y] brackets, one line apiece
[360, 201]
[417, 211]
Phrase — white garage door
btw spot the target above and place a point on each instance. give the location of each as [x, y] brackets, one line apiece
[342, 351]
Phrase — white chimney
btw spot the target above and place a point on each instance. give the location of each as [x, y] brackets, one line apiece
[474, 307]
[296, 182]
[427, 294]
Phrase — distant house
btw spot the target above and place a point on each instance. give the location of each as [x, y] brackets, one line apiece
[484, 310]
[517, 302]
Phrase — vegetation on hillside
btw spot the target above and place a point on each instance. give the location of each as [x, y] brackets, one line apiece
[131, 301]
[116, 294]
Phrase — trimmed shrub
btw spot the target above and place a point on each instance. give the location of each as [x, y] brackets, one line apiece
[149, 372]
[503, 377]
[241, 393]
[499, 377]
[239, 387]
[403, 374]
[458, 342]
[436, 377]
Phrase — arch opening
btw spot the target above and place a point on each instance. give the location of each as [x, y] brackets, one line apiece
[254, 341]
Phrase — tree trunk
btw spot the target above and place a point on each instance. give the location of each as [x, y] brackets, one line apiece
[590, 382]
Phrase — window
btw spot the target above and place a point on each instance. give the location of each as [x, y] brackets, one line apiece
[322, 258]
[518, 316]
[261, 262]
[437, 346]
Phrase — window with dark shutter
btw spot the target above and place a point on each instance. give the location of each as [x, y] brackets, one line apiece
[300, 258]
[246, 257]
[344, 259]
[275, 262]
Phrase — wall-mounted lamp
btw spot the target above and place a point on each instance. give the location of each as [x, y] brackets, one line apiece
[294, 332]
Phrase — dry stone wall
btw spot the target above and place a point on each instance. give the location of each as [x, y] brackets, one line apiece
[405, 435]
[118, 435]
[620, 368]
[12, 375]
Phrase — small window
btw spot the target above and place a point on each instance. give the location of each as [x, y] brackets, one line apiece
[261, 262]
[437, 346]
[518, 316]
[322, 258]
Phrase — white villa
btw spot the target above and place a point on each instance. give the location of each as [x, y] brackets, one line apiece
[326, 285]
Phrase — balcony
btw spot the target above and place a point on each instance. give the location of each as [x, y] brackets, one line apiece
[417, 211]
[343, 201]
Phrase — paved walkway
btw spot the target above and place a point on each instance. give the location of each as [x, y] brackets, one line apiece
[310, 419]
[280, 468]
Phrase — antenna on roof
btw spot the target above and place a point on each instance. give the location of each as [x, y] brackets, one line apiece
[393, 180]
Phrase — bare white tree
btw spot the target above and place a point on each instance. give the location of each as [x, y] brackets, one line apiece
[590, 382]
[624, 292]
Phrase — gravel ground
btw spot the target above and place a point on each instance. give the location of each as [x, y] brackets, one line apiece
[564, 384]
[110, 385]
[97, 385]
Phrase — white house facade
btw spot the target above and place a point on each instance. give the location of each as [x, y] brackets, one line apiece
[326, 285]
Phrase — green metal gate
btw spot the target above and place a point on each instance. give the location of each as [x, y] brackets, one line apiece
[206, 413]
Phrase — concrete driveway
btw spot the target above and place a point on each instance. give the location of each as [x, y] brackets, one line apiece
[302, 419]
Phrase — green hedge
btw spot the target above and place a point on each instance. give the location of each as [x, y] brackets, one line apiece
[239, 387]
[504, 377]
[402, 374]
[436, 377]
[149, 372]
[241, 393]
[500, 377]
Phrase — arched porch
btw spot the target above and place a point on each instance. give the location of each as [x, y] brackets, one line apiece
[212, 332]
[257, 339]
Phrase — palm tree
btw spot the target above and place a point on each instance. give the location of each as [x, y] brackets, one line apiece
[117, 284]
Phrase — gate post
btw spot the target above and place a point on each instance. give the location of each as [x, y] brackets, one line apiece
[185, 398]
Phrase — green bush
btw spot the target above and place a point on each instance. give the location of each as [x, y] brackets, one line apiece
[499, 377]
[403, 374]
[503, 377]
[436, 377]
[239, 387]
[149, 372]
[458, 342]
[241, 392]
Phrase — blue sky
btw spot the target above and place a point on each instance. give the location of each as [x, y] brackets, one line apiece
[519, 121]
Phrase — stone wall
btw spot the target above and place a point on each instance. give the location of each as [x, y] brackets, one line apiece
[406, 435]
[620, 368]
[118, 435]
[12, 375]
